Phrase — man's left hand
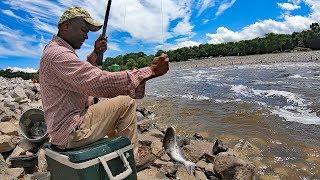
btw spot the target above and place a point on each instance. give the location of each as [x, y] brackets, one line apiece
[100, 45]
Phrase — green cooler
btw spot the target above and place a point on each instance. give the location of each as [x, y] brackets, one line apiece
[110, 158]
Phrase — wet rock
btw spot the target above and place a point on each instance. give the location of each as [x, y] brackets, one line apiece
[244, 149]
[198, 136]
[230, 167]
[219, 147]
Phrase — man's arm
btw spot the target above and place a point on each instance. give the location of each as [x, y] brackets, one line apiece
[100, 45]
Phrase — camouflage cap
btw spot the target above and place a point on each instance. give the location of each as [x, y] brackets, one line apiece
[74, 12]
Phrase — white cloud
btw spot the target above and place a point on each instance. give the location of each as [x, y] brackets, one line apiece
[27, 70]
[167, 47]
[289, 25]
[183, 27]
[204, 4]
[11, 14]
[17, 43]
[288, 6]
[224, 6]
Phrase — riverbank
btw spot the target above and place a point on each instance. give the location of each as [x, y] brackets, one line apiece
[310, 56]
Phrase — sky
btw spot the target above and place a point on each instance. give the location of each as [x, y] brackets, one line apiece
[26, 26]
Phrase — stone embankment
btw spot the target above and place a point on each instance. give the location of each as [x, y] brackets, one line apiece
[310, 56]
[214, 160]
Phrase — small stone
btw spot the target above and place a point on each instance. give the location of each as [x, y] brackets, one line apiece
[165, 157]
[156, 148]
[219, 147]
[200, 175]
[183, 174]
[8, 128]
[7, 143]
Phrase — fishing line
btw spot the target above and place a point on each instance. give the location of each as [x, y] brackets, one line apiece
[162, 33]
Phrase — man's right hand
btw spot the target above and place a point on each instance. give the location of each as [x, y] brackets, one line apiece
[160, 65]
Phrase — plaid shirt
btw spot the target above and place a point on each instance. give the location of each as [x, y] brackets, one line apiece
[66, 84]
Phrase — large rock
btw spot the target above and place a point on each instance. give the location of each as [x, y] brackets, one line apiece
[245, 149]
[6, 114]
[8, 128]
[7, 143]
[230, 167]
[197, 149]
[156, 148]
[19, 94]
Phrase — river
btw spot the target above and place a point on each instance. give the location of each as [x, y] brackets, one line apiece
[275, 107]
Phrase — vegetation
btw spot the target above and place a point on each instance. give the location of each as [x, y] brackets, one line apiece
[271, 43]
[8, 73]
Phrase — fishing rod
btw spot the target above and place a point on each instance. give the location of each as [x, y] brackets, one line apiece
[100, 54]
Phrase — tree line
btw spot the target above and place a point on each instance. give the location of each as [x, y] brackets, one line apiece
[8, 73]
[271, 43]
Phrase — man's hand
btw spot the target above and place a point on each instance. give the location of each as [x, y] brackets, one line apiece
[100, 45]
[160, 65]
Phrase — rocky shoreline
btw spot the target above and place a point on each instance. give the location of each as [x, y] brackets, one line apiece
[214, 160]
[310, 56]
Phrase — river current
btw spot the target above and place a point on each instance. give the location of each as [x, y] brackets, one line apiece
[275, 107]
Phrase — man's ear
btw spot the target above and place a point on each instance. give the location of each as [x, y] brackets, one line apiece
[64, 26]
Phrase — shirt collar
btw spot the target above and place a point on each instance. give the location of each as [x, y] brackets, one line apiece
[62, 42]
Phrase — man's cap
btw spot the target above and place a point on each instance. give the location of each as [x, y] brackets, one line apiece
[74, 12]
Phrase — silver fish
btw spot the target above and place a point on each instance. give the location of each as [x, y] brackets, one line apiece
[173, 150]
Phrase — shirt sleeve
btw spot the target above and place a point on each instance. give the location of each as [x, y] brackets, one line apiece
[82, 77]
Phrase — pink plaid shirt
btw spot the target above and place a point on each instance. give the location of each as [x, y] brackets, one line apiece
[66, 84]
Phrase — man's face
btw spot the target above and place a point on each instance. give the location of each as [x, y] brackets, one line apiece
[77, 32]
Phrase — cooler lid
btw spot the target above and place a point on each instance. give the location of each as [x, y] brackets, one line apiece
[96, 149]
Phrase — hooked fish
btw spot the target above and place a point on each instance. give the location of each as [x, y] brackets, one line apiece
[173, 150]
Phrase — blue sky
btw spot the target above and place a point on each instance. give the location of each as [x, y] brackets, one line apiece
[148, 25]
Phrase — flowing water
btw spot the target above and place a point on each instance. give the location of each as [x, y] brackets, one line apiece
[275, 107]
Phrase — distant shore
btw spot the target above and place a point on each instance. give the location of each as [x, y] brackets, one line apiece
[311, 56]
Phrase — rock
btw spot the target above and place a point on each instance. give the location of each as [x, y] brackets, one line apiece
[183, 174]
[196, 150]
[244, 149]
[155, 133]
[209, 168]
[6, 115]
[140, 116]
[219, 147]
[1, 158]
[165, 157]
[144, 125]
[11, 105]
[200, 175]
[198, 136]
[146, 140]
[38, 176]
[201, 164]
[16, 152]
[156, 148]
[170, 168]
[42, 162]
[151, 173]
[159, 163]
[7, 143]
[230, 167]
[8, 128]
[19, 94]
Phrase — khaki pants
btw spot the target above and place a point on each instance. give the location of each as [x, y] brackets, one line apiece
[112, 117]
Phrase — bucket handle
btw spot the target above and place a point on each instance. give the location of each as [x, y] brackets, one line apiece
[126, 164]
